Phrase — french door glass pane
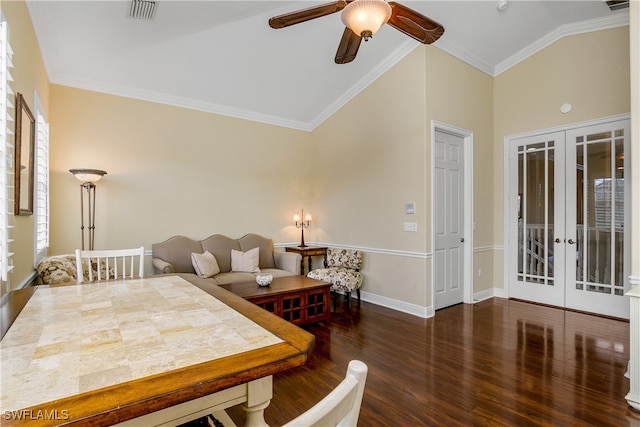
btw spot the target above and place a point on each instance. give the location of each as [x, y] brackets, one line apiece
[580, 213]
[520, 213]
[549, 219]
[536, 172]
[600, 213]
[619, 216]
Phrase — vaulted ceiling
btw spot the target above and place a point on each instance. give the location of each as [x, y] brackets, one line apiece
[222, 57]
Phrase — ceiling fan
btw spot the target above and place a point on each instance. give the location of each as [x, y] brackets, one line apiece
[362, 19]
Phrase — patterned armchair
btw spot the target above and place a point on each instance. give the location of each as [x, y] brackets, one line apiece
[342, 269]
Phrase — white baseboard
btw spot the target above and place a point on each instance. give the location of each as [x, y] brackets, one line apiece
[26, 282]
[418, 310]
[490, 293]
[405, 307]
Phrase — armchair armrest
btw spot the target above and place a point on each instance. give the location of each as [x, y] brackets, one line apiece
[161, 266]
[288, 261]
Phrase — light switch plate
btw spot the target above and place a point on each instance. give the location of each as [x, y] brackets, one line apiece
[411, 226]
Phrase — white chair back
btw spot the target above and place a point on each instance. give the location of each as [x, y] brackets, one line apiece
[341, 407]
[109, 264]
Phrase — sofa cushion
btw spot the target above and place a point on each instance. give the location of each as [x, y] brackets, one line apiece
[220, 246]
[251, 241]
[276, 272]
[235, 277]
[247, 262]
[205, 264]
[177, 250]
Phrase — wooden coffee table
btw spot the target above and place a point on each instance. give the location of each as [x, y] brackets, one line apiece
[297, 299]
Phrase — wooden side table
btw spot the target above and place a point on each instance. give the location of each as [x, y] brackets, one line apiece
[308, 252]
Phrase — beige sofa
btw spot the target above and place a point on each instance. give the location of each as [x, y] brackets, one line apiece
[174, 256]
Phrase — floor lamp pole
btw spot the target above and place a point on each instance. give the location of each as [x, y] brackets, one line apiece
[82, 188]
[88, 177]
[90, 188]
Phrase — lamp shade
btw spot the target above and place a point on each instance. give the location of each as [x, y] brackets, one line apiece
[365, 17]
[88, 175]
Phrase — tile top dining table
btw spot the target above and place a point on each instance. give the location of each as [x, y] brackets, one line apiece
[154, 351]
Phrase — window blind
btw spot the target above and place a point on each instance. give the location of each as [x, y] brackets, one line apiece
[41, 183]
[7, 141]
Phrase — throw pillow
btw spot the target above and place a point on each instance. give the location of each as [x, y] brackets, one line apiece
[205, 264]
[245, 261]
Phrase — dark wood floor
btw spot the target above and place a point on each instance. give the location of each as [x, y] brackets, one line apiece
[495, 363]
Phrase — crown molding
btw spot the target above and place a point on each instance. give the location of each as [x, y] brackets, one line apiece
[151, 96]
[465, 56]
[396, 56]
[176, 101]
[613, 21]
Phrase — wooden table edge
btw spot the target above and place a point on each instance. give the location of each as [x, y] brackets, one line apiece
[149, 394]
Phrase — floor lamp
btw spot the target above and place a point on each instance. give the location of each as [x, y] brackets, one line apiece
[88, 178]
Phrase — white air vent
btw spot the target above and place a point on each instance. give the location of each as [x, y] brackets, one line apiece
[142, 9]
[617, 4]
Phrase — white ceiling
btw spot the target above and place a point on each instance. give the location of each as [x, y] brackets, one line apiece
[222, 57]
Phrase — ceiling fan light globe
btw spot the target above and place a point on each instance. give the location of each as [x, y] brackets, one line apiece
[365, 17]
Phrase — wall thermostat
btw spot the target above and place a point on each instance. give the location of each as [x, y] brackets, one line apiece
[410, 208]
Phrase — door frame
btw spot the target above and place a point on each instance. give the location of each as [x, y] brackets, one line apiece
[511, 241]
[467, 137]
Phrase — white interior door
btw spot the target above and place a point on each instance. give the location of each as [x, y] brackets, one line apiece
[566, 216]
[448, 254]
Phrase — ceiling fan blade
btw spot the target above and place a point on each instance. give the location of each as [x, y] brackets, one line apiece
[303, 15]
[414, 24]
[348, 47]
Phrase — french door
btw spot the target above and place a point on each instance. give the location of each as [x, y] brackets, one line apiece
[567, 209]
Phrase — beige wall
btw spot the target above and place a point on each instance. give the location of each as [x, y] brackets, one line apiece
[29, 75]
[462, 96]
[590, 71]
[170, 171]
[377, 153]
[370, 159]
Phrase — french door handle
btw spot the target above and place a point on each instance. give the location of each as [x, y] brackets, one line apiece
[557, 240]
[570, 241]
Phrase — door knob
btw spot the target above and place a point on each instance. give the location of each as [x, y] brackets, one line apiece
[557, 240]
[462, 239]
[570, 241]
